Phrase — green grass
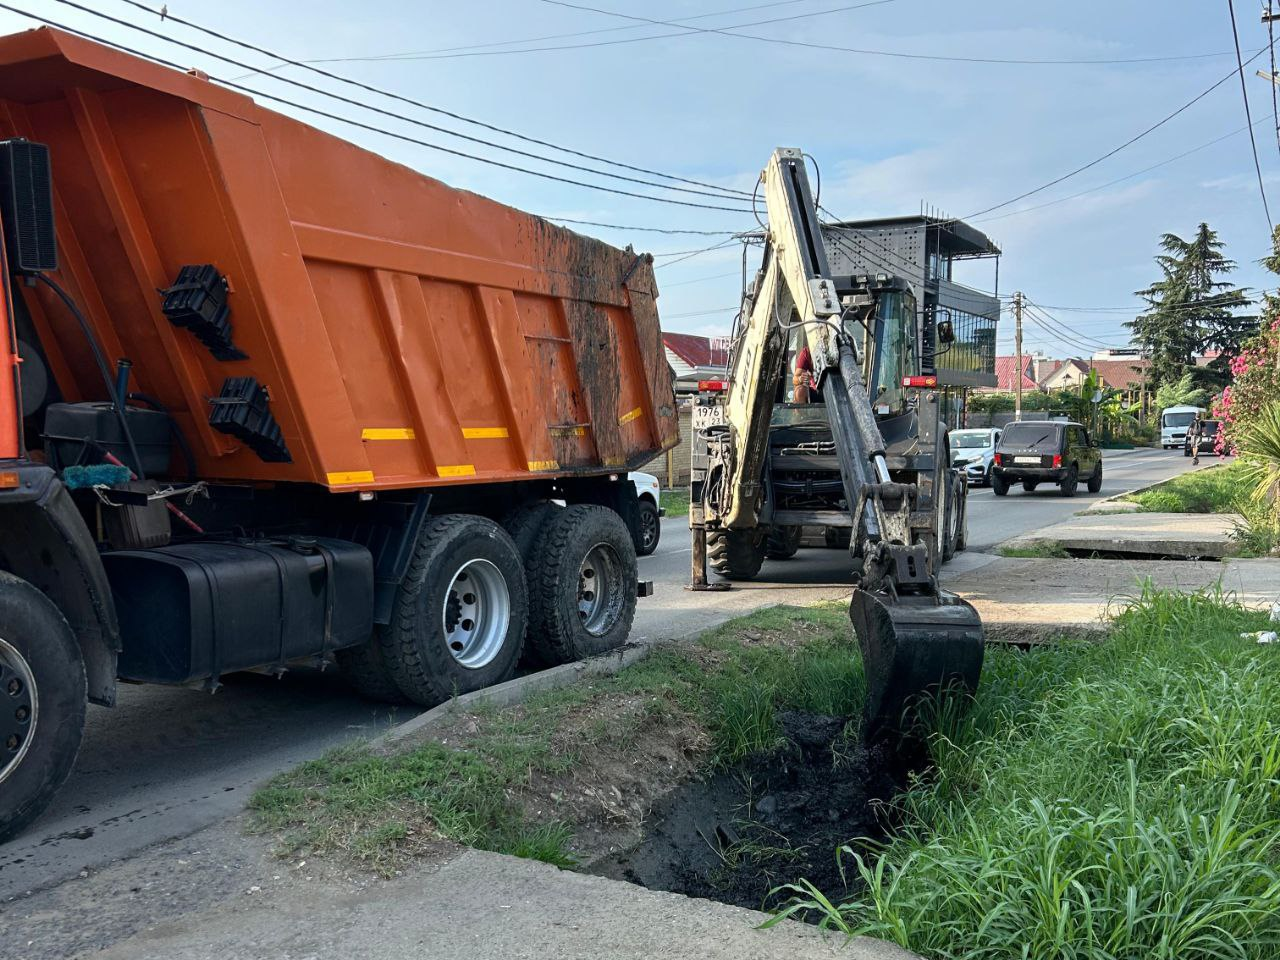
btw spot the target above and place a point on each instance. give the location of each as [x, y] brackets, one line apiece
[1098, 801]
[1218, 489]
[1042, 549]
[675, 502]
[378, 809]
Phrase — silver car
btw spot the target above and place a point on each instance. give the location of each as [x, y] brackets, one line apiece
[973, 452]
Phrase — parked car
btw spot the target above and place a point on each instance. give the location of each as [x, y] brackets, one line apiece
[973, 453]
[648, 530]
[1202, 435]
[1032, 452]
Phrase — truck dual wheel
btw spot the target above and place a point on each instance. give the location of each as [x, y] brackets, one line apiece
[42, 702]
[460, 615]
[782, 543]
[582, 584]
[736, 554]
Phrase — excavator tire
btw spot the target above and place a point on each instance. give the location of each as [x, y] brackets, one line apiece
[782, 542]
[736, 554]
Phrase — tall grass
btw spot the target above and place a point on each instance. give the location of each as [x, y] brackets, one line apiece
[1099, 801]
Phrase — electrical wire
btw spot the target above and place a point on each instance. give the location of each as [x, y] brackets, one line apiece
[1244, 92]
[362, 125]
[361, 104]
[164, 15]
[1062, 327]
[729, 32]
[1271, 47]
[1112, 183]
[623, 226]
[1112, 152]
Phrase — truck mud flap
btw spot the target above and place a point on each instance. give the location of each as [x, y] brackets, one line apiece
[913, 646]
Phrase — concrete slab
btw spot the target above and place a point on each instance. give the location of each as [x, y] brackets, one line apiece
[484, 906]
[1144, 534]
[1026, 600]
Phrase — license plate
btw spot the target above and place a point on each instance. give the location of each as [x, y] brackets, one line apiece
[1034, 460]
[711, 415]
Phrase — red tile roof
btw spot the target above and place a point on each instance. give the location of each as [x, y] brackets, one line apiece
[1006, 373]
[694, 350]
[1121, 374]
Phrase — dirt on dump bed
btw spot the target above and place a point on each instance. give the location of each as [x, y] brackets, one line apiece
[772, 819]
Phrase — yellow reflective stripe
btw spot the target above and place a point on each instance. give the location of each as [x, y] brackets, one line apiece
[568, 431]
[629, 416]
[614, 461]
[457, 470]
[349, 476]
[536, 465]
[484, 433]
[387, 433]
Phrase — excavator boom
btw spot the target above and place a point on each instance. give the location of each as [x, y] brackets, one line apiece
[914, 636]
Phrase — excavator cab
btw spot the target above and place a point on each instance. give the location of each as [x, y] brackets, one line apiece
[900, 500]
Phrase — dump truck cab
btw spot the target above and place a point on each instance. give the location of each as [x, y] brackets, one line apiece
[271, 401]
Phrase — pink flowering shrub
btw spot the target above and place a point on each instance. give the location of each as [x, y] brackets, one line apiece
[1255, 380]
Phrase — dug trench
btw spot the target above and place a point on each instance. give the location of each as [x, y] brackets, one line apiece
[726, 770]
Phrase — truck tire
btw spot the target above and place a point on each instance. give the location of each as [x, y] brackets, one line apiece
[524, 523]
[736, 554]
[648, 528]
[364, 668]
[782, 542]
[837, 538]
[43, 698]
[460, 615]
[582, 591]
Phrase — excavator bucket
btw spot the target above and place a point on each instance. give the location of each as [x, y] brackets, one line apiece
[912, 645]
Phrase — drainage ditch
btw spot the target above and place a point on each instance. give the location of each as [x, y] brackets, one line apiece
[1083, 553]
[771, 819]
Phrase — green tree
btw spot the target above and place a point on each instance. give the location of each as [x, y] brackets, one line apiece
[1191, 310]
[1182, 392]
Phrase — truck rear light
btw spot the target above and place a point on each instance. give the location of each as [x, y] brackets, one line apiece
[929, 381]
[715, 386]
[9, 479]
[1057, 460]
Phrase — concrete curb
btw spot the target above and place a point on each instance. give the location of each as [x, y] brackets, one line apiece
[1117, 501]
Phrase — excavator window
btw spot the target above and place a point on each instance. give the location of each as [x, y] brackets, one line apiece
[896, 312]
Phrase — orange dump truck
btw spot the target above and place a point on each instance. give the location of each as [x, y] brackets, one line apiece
[267, 398]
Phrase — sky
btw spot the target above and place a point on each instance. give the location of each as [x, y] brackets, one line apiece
[888, 133]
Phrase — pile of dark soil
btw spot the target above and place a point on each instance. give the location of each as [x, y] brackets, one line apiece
[770, 820]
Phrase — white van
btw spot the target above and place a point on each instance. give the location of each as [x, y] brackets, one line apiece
[1173, 425]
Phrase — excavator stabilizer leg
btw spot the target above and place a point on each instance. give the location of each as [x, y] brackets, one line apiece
[912, 645]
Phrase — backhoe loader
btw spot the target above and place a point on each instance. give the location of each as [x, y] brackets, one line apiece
[896, 494]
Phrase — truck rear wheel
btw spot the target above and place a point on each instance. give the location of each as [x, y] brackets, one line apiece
[782, 542]
[582, 585]
[460, 615]
[736, 554]
[42, 702]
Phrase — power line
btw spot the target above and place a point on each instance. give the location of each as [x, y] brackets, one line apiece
[1112, 183]
[718, 276]
[361, 124]
[1112, 152]
[1271, 46]
[1244, 92]
[1063, 327]
[416, 54]
[729, 31]
[164, 15]
[629, 227]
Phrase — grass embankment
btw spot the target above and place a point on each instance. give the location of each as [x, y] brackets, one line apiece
[1219, 489]
[498, 781]
[1040, 550]
[1099, 801]
[676, 502]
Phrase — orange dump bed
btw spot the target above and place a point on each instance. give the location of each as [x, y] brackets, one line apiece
[407, 333]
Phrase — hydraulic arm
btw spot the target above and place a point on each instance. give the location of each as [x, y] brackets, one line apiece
[913, 635]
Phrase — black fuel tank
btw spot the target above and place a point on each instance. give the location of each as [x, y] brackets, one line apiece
[198, 610]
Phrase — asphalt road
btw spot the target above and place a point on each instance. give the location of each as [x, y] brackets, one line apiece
[166, 762]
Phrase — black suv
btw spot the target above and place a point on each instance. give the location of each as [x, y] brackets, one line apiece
[1046, 451]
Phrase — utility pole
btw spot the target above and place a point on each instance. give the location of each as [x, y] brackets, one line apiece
[1017, 339]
